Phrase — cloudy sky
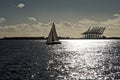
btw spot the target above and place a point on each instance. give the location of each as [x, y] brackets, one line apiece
[72, 17]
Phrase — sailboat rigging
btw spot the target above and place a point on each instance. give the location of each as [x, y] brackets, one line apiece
[53, 38]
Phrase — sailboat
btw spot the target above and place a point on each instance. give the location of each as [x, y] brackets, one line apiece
[52, 37]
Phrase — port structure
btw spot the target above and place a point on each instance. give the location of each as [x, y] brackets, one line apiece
[94, 33]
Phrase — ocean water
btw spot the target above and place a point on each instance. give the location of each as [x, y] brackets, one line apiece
[71, 60]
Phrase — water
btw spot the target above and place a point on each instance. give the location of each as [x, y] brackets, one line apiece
[71, 60]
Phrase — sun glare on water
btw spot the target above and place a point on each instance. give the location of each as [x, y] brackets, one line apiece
[84, 59]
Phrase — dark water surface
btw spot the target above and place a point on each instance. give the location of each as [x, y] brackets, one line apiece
[71, 60]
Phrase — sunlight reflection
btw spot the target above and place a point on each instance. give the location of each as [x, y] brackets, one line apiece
[84, 58]
[80, 59]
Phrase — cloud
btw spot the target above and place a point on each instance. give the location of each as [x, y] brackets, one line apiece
[32, 19]
[75, 29]
[64, 28]
[64, 24]
[2, 20]
[116, 15]
[87, 21]
[113, 22]
[25, 30]
[21, 5]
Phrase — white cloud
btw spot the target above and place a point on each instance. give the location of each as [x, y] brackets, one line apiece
[113, 22]
[87, 21]
[25, 30]
[116, 15]
[2, 20]
[21, 5]
[64, 28]
[32, 19]
[64, 24]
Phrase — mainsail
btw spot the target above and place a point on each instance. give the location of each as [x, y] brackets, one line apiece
[53, 38]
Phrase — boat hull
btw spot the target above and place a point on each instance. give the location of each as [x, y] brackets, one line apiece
[52, 43]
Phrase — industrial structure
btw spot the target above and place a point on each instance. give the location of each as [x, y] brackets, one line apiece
[94, 33]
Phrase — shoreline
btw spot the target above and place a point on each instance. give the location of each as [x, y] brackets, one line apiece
[43, 38]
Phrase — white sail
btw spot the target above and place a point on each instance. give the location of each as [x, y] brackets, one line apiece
[53, 38]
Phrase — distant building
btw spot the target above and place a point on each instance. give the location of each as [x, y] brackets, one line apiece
[93, 33]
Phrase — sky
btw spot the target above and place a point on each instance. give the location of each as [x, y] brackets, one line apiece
[71, 17]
